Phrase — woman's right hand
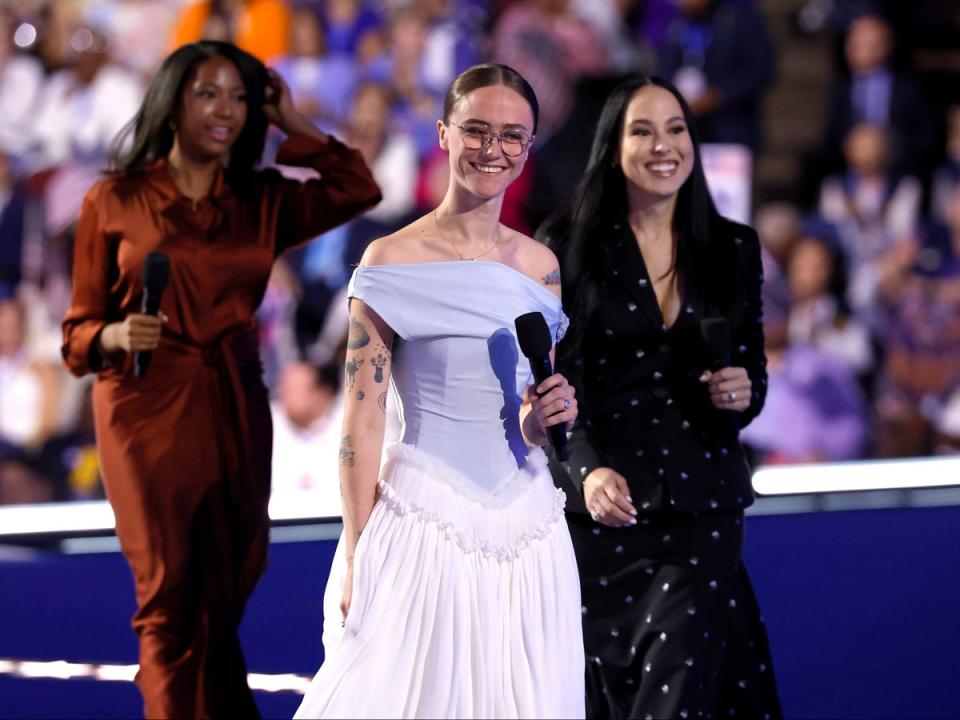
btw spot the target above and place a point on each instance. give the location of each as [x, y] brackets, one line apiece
[607, 497]
[347, 591]
[137, 332]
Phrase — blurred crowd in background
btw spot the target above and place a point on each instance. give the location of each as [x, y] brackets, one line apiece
[862, 242]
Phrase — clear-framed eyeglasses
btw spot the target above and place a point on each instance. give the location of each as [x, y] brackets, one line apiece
[476, 136]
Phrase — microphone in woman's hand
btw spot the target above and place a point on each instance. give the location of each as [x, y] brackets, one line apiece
[535, 343]
[156, 275]
[716, 334]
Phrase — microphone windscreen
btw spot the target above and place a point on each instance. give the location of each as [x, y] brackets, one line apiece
[716, 334]
[156, 272]
[533, 335]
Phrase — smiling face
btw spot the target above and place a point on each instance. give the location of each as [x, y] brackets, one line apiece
[656, 151]
[212, 111]
[486, 171]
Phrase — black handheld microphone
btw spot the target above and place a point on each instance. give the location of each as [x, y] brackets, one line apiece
[716, 334]
[535, 343]
[156, 275]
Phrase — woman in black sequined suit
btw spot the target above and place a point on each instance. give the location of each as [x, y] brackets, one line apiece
[666, 348]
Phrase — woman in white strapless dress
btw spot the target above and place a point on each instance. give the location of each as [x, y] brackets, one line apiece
[454, 590]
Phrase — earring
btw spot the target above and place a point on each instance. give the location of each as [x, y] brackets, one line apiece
[172, 124]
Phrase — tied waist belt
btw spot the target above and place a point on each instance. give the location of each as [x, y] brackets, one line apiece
[224, 356]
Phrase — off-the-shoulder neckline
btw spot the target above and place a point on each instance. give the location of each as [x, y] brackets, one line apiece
[466, 263]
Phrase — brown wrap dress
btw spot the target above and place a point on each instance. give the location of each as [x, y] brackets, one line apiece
[185, 450]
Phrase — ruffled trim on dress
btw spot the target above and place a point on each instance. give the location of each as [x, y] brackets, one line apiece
[398, 453]
[401, 457]
[562, 326]
[486, 548]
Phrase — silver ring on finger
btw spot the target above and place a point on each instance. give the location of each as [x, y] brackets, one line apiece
[732, 396]
[594, 515]
[567, 403]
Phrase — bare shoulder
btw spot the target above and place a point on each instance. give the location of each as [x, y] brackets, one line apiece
[537, 261]
[382, 251]
[403, 246]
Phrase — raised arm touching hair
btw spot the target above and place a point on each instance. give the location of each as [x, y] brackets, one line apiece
[366, 380]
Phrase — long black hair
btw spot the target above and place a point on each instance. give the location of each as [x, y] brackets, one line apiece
[152, 127]
[576, 233]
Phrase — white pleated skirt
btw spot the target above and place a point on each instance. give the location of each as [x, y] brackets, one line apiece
[464, 605]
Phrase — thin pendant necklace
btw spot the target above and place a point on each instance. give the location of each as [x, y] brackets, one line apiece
[436, 219]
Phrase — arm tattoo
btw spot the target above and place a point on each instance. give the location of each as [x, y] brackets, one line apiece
[361, 395]
[358, 336]
[552, 277]
[346, 451]
[382, 401]
[379, 361]
[353, 364]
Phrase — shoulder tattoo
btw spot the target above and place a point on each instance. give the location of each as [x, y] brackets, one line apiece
[552, 277]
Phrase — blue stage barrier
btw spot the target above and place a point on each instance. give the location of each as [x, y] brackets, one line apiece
[860, 603]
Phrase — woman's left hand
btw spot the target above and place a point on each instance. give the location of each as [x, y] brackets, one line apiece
[553, 402]
[279, 107]
[729, 388]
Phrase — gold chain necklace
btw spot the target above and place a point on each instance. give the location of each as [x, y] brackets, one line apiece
[436, 220]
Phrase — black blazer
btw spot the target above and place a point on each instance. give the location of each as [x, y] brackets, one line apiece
[643, 411]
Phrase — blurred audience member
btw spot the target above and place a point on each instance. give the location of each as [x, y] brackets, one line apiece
[83, 107]
[21, 79]
[947, 177]
[402, 67]
[54, 21]
[453, 42]
[322, 82]
[353, 27]
[139, 31]
[872, 208]
[720, 55]
[389, 151]
[779, 226]
[552, 48]
[306, 433]
[921, 376]
[29, 391]
[261, 27]
[12, 216]
[815, 409]
[20, 483]
[628, 51]
[818, 314]
[879, 94]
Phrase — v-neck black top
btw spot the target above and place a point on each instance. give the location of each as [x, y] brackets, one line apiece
[643, 411]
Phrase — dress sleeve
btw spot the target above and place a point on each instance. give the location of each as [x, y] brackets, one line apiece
[344, 189]
[381, 293]
[87, 314]
[748, 340]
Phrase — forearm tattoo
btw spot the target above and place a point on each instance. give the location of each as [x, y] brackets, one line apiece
[346, 451]
[353, 364]
[358, 336]
[552, 277]
[382, 401]
[379, 361]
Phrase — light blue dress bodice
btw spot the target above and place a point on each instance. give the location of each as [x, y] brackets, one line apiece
[458, 376]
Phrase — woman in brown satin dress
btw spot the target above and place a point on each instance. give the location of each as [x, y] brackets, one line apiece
[185, 450]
